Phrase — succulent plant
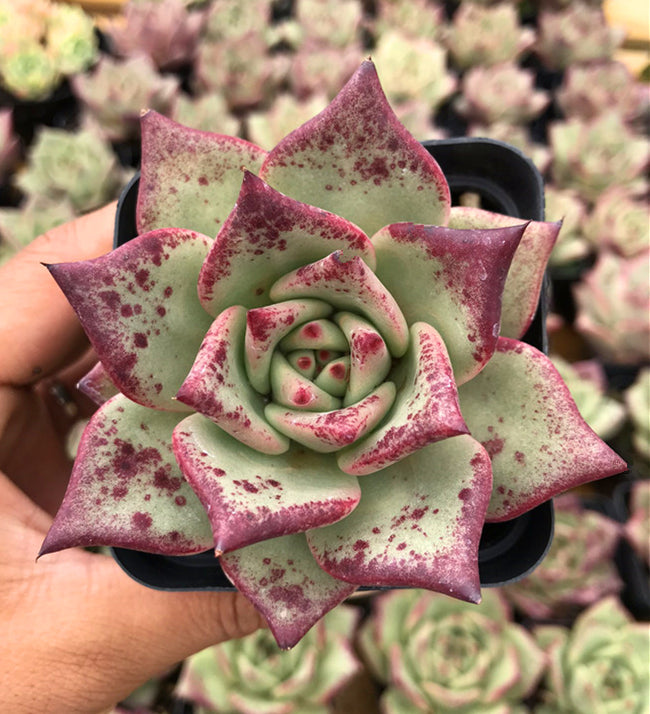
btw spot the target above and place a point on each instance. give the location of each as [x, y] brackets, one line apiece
[9, 144]
[167, 31]
[590, 90]
[500, 93]
[417, 18]
[239, 69]
[637, 400]
[440, 655]
[613, 300]
[319, 69]
[78, 167]
[321, 23]
[619, 222]
[587, 383]
[566, 205]
[232, 19]
[577, 34]
[517, 136]
[590, 157]
[600, 665]
[254, 675]
[207, 112]
[118, 90]
[579, 569]
[267, 128]
[19, 226]
[311, 388]
[487, 35]
[637, 527]
[413, 69]
[71, 38]
[29, 72]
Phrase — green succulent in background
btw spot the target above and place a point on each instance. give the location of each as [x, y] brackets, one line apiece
[578, 569]
[29, 73]
[637, 400]
[593, 156]
[587, 383]
[207, 112]
[600, 666]
[438, 655]
[619, 221]
[117, 91]
[487, 35]
[334, 28]
[227, 19]
[71, 37]
[78, 167]
[576, 34]
[254, 676]
[613, 299]
[417, 18]
[566, 205]
[413, 69]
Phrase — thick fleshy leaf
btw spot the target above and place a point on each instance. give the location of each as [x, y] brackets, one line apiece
[266, 235]
[325, 432]
[189, 178]
[524, 282]
[303, 361]
[266, 326]
[250, 497]
[418, 524]
[348, 285]
[97, 385]
[425, 409]
[522, 412]
[126, 489]
[217, 386]
[452, 280]
[356, 160]
[291, 389]
[315, 335]
[333, 378]
[138, 305]
[370, 360]
[284, 582]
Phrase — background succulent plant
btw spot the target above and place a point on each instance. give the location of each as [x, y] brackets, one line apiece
[440, 655]
[637, 398]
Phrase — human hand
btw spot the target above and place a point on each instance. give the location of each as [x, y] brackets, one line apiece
[77, 633]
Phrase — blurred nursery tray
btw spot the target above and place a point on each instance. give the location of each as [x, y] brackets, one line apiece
[507, 182]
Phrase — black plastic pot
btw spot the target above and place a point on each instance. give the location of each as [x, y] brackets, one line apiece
[508, 183]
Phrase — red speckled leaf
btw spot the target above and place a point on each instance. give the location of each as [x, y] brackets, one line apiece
[217, 386]
[425, 409]
[356, 160]
[97, 385]
[282, 579]
[189, 178]
[138, 305]
[348, 285]
[452, 280]
[524, 282]
[418, 523]
[267, 235]
[522, 412]
[126, 489]
[250, 497]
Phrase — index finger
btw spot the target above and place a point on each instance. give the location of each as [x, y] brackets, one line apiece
[39, 332]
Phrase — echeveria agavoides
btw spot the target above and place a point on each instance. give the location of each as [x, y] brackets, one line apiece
[303, 411]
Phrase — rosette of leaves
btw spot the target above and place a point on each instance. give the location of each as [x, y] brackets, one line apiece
[71, 38]
[637, 526]
[579, 569]
[253, 675]
[9, 144]
[500, 93]
[567, 206]
[619, 222]
[413, 69]
[117, 91]
[208, 112]
[576, 34]
[590, 157]
[417, 18]
[587, 383]
[167, 31]
[600, 665]
[438, 655]
[613, 300]
[590, 90]
[637, 400]
[38, 214]
[79, 167]
[336, 26]
[486, 35]
[228, 19]
[307, 411]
